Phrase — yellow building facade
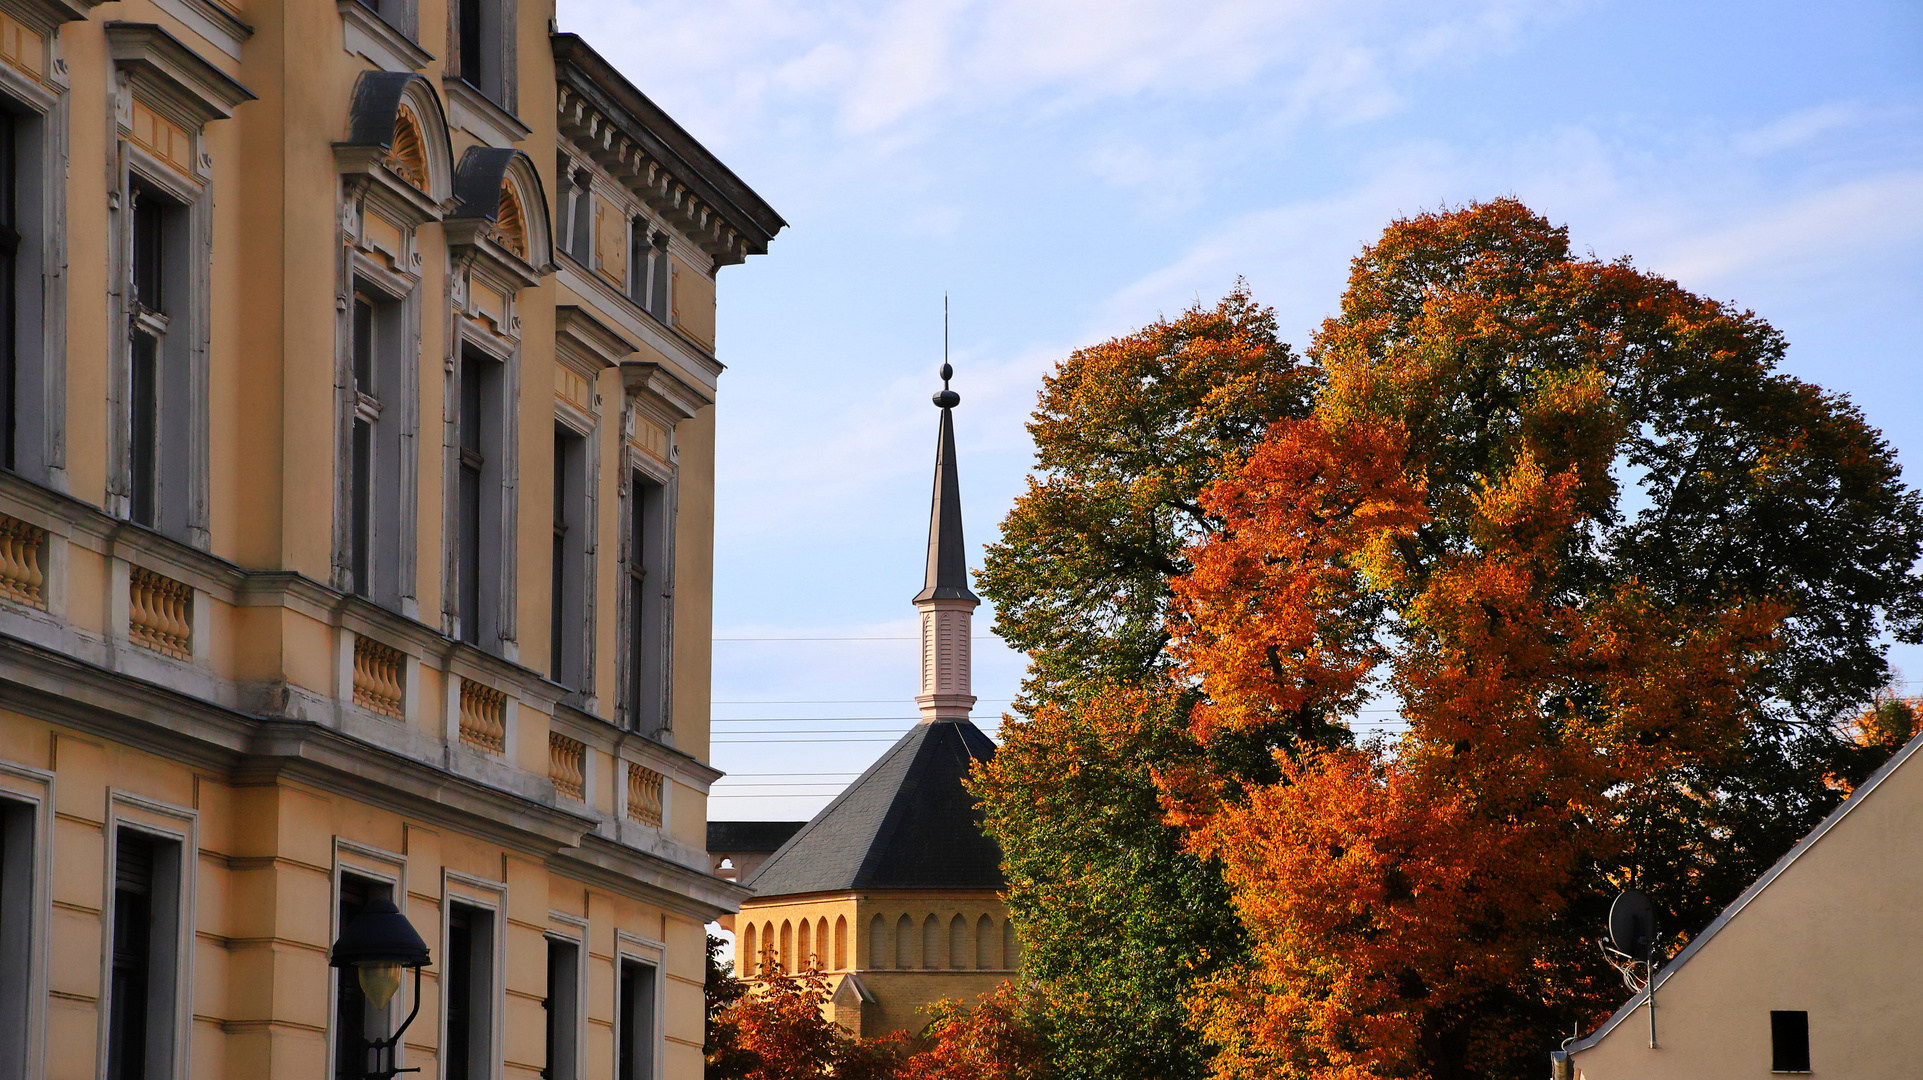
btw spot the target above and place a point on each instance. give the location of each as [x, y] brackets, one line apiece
[1813, 970]
[356, 531]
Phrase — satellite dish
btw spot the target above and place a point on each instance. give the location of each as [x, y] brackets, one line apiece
[1632, 922]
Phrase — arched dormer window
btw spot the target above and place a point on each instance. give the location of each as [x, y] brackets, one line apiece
[397, 146]
[510, 222]
[409, 154]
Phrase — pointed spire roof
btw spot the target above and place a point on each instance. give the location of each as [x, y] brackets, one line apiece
[947, 576]
[907, 823]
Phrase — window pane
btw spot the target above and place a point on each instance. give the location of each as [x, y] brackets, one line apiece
[132, 957]
[149, 249]
[144, 436]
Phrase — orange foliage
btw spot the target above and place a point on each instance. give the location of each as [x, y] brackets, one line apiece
[1402, 897]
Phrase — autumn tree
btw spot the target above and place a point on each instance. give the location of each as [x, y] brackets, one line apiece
[776, 1029]
[1625, 581]
[1000, 1037]
[1116, 919]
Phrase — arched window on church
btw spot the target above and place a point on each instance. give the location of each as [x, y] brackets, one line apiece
[878, 952]
[905, 943]
[744, 954]
[958, 942]
[841, 942]
[1011, 949]
[988, 950]
[765, 959]
[804, 947]
[821, 944]
[785, 961]
[931, 943]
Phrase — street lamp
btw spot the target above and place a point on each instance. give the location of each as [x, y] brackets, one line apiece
[377, 944]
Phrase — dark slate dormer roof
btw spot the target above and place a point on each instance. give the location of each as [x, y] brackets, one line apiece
[947, 577]
[750, 835]
[907, 823]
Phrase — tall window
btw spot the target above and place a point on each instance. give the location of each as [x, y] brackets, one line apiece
[482, 41]
[140, 1005]
[377, 447]
[562, 1005]
[567, 619]
[647, 605]
[636, 1021]
[25, 367]
[150, 258]
[469, 992]
[648, 269]
[352, 1024]
[479, 522]
[16, 934]
[1789, 1042]
[9, 287]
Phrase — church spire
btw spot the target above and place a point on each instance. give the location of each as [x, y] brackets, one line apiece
[947, 606]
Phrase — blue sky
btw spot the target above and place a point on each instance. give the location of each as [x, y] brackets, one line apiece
[1068, 169]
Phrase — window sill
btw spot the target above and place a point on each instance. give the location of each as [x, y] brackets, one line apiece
[471, 110]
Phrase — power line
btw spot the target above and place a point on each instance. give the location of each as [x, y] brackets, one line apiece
[835, 701]
[974, 637]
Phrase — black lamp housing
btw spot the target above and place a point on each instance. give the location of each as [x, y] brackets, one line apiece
[380, 934]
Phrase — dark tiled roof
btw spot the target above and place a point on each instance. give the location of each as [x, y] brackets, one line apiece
[750, 835]
[907, 823]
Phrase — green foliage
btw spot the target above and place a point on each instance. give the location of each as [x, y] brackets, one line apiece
[1115, 918]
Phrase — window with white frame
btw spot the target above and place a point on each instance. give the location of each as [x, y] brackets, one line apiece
[480, 520]
[28, 375]
[483, 29]
[567, 624]
[144, 957]
[467, 994]
[17, 834]
[648, 270]
[377, 445]
[563, 1008]
[356, 1021]
[159, 362]
[635, 1026]
[648, 595]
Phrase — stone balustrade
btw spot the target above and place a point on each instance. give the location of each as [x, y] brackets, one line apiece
[23, 555]
[380, 677]
[483, 717]
[160, 613]
[644, 795]
[567, 765]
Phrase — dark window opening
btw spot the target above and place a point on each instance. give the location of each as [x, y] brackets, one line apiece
[1789, 1042]
[351, 1022]
[16, 932]
[158, 365]
[144, 434]
[140, 990]
[647, 605]
[562, 1060]
[567, 615]
[482, 40]
[479, 523]
[366, 410]
[636, 1020]
[9, 287]
[468, 992]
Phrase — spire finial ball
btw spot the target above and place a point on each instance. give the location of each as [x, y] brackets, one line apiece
[947, 399]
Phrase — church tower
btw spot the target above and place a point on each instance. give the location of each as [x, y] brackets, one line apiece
[893, 890]
[947, 606]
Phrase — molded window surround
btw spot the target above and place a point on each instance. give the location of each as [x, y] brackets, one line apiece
[362, 873]
[638, 1017]
[26, 821]
[470, 974]
[377, 467]
[148, 930]
[33, 170]
[161, 223]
